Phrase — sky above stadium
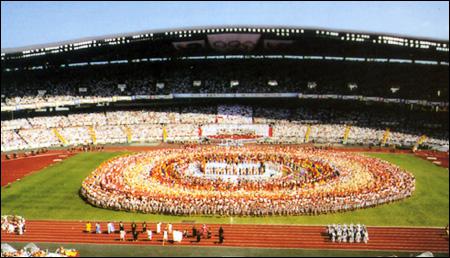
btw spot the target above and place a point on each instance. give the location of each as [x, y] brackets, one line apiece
[29, 23]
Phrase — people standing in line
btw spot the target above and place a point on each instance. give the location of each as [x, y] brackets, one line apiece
[122, 231]
[144, 227]
[135, 235]
[149, 234]
[158, 228]
[97, 228]
[221, 235]
[194, 231]
[111, 228]
[88, 227]
[165, 237]
[133, 227]
[169, 228]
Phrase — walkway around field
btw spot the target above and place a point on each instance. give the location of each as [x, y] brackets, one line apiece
[436, 157]
[14, 169]
[238, 235]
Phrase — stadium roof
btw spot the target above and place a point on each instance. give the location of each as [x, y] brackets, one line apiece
[130, 34]
[227, 40]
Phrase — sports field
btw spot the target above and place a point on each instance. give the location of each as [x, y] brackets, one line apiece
[52, 194]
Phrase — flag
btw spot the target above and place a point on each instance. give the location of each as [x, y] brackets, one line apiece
[164, 133]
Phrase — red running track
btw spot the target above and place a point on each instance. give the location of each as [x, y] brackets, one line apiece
[274, 236]
[14, 169]
[436, 157]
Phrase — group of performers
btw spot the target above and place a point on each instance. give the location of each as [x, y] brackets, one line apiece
[350, 234]
[312, 181]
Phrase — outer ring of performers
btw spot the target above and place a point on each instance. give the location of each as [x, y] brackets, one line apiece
[137, 182]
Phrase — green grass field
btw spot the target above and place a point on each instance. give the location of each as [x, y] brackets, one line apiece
[87, 250]
[53, 194]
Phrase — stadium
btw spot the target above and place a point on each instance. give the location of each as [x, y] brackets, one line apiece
[292, 140]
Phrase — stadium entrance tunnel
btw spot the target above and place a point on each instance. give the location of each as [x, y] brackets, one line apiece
[246, 181]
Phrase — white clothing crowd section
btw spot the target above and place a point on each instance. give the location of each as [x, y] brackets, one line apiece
[189, 125]
[235, 129]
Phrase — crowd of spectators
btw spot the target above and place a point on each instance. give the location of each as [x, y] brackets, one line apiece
[76, 135]
[39, 138]
[215, 76]
[234, 114]
[110, 134]
[146, 132]
[191, 124]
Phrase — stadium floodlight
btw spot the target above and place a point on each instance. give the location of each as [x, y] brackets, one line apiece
[395, 89]
[312, 85]
[160, 85]
[272, 83]
[352, 86]
[197, 83]
[41, 93]
[121, 87]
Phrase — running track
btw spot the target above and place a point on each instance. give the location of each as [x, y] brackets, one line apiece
[274, 236]
[14, 169]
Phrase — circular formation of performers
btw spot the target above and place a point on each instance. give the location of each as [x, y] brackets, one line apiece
[267, 180]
